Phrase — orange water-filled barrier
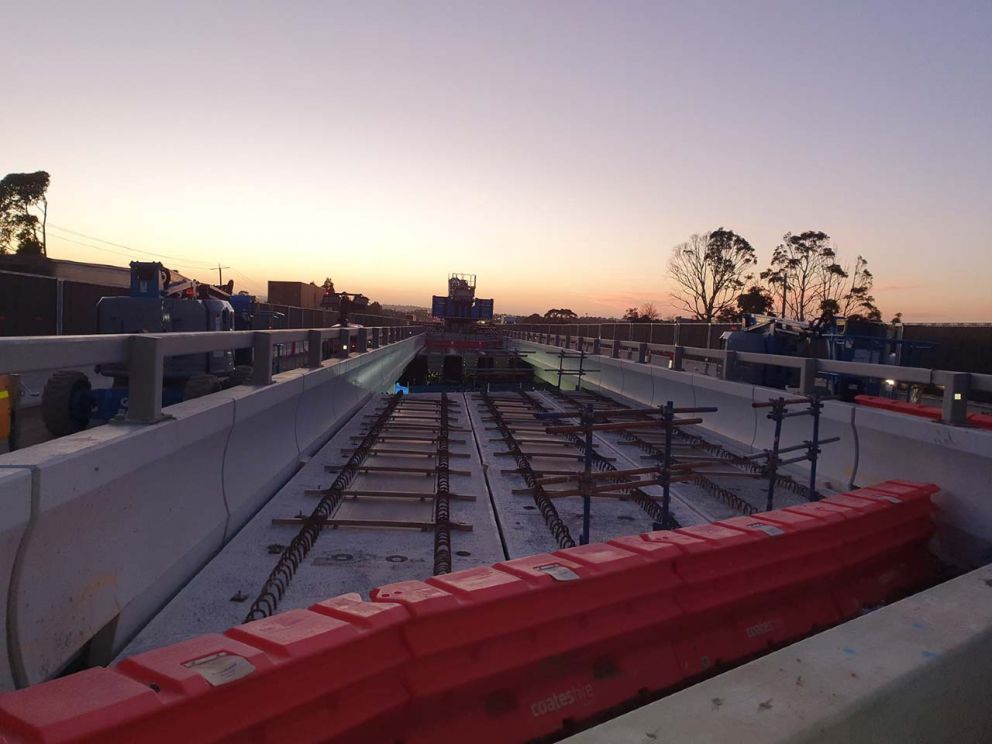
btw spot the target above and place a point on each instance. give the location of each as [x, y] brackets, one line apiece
[508, 652]
[980, 420]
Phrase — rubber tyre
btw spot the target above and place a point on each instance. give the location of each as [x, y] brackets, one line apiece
[61, 408]
[199, 385]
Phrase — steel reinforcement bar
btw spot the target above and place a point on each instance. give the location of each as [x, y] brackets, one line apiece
[711, 487]
[289, 561]
[601, 464]
[559, 530]
[442, 501]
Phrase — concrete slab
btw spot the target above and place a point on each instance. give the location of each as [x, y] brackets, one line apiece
[918, 670]
[344, 559]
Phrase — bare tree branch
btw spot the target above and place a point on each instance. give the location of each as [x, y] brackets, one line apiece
[710, 271]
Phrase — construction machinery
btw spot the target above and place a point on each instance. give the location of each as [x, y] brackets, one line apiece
[828, 337]
[461, 308]
[342, 302]
[160, 301]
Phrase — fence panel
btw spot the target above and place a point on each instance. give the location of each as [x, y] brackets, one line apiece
[79, 302]
[964, 348]
[662, 333]
[693, 334]
[28, 305]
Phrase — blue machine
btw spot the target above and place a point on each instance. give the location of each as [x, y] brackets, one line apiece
[461, 304]
[160, 301]
[836, 338]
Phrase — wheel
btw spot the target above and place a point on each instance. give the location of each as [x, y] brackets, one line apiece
[199, 385]
[241, 375]
[66, 403]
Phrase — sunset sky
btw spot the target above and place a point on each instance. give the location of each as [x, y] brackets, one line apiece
[556, 149]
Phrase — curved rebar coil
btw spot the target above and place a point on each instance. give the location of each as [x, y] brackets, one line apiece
[559, 530]
[442, 502]
[275, 586]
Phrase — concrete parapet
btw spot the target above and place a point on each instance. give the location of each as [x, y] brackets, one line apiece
[262, 451]
[122, 515]
[15, 514]
[918, 670]
[875, 445]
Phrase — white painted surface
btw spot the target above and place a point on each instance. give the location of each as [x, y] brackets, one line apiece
[124, 515]
[917, 671]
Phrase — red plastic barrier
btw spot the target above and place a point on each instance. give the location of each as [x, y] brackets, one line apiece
[899, 406]
[272, 677]
[980, 420]
[507, 652]
[486, 657]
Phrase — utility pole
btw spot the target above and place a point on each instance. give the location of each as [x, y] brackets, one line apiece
[220, 274]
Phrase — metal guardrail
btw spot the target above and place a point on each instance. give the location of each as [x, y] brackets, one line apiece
[956, 385]
[145, 354]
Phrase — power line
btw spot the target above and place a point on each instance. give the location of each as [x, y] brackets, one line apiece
[116, 253]
[188, 261]
[181, 262]
[247, 278]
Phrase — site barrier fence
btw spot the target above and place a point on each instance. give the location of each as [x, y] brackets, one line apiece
[509, 652]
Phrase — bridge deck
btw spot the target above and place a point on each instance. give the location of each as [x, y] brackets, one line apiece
[394, 492]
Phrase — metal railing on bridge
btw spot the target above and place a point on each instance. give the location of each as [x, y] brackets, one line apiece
[956, 385]
[145, 354]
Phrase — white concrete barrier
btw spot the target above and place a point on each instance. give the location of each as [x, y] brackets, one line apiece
[332, 394]
[317, 409]
[671, 386]
[838, 461]
[734, 417]
[123, 515]
[918, 670]
[121, 512]
[15, 513]
[262, 450]
[874, 445]
[959, 460]
[638, 382]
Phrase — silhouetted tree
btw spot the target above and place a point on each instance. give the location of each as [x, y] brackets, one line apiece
[19, 194]
[647, 313]
[855, 297]
[710, 271]
[800, 266]
[560, 314]
[755, 301]
[805, 273]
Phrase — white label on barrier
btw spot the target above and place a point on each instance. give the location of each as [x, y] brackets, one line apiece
[219, 669]
[891, 499]
[559, 572]
[768, 529]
